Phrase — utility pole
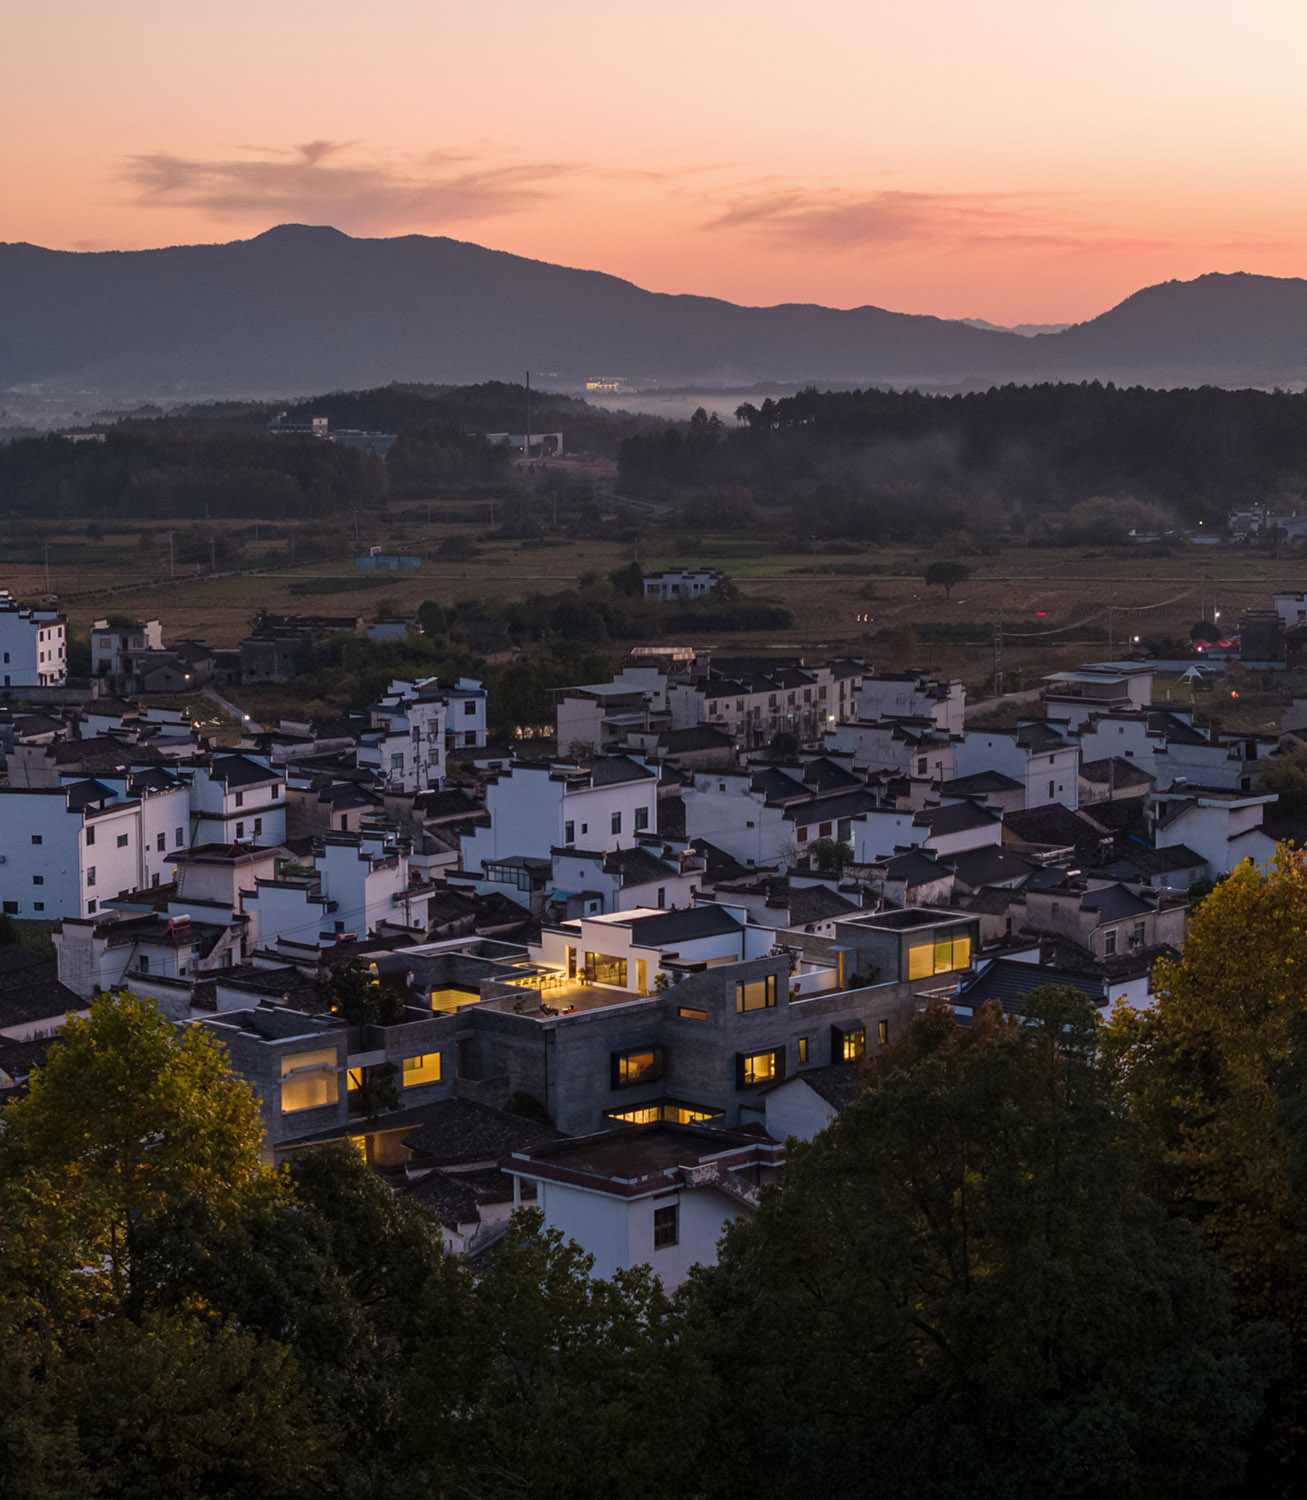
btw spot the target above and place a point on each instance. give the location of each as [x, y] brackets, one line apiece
[998, 658]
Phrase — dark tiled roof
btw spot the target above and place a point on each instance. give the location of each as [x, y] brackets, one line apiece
[239, 770]
[453, 803]
[681, 926]
[1114, 902]
[637, 866]
[957, 817]
[1137, 862]
[992, 865]
[33, 994]
[817, 903]
[697, 737]
[830, 809]
[458, 1131]
[979, 784]
[839, 1084]
[612, 769]
[1114, 771]
[916, 867]
[1009, 980]
[991, 900]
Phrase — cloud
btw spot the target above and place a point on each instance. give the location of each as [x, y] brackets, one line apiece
[332, 182]
[840, 219]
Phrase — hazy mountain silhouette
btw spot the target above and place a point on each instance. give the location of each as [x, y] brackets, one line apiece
[304, 309]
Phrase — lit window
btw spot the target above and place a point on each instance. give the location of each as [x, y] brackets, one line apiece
[604, 968]
[757, 1067]
[640, 1065]
[757, 994]
[309, 1080]
[882, 1032]
[939, 958]
[852, 1043]
[803, 1049]
[689, 1013]
[424, 1069]
[664, 1227]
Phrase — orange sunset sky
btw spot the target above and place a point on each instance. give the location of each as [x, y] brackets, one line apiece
[1017, 160]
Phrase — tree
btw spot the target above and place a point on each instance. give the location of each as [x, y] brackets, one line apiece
[1286, 776]
[830, 854]
[963, 1288]
[946, 574]
[354, 993]
[129, 1115]
[628, 580]
[1203, 1071]
[783, 745]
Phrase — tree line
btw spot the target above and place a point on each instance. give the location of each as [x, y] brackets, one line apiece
[1029, 452]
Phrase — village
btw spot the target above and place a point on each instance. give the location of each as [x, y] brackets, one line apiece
[612, 980]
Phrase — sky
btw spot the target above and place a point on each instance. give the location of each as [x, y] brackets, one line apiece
[1014, 160]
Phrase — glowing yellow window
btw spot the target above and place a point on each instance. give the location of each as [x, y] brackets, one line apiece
[424, 1069]
[309, 1080]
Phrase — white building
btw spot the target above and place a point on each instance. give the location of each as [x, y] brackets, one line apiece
[33, 650]
[911, 695]
[66, 850]
[1223, 827]
[658, 1195]
[115, 647]
[682, 583]
[1036, 753]
[537, 808]
[238, 799]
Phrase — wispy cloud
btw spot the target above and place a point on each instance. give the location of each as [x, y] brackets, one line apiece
[841, 219]
[334, 182]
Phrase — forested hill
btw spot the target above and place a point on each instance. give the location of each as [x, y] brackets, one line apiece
[302, 307]
[904, 461]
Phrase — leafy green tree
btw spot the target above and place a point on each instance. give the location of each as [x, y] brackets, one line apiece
[946, 574]
[170, 1407]
[628, 580]
[129, 1115]
[1204, 1071]
[830, 854]
[354, 993]
[1286, 776]
[962, 1288]
[566, 1387]
[783, 745]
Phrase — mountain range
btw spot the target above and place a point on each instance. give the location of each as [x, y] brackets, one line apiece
[304, 308]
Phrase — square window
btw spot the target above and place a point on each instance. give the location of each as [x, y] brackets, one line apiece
[122, 840]
[90, 908]
[758, 1067]
[38, 879]
[850, 1045]
[469, 706]
[756, 994]
[638, 1065]
[38, 905]
[665, 1227]
[11, 908]
[38, 838]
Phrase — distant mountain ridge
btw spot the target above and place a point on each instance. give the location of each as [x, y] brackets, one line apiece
[300, 309]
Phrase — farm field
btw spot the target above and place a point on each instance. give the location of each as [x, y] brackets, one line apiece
[1058, 606]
